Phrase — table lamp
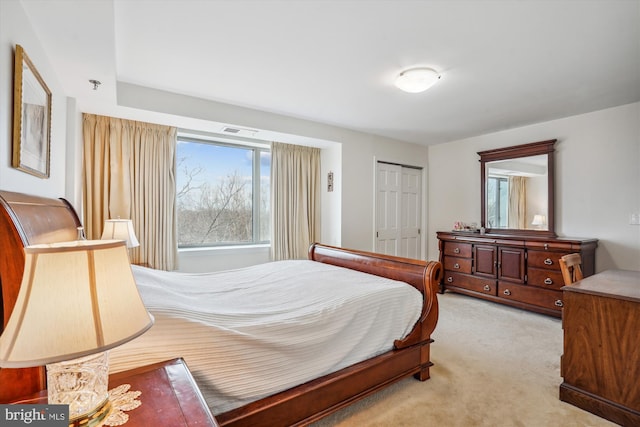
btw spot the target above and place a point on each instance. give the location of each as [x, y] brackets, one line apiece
[539, 220]
[120, 229]
[76, 301]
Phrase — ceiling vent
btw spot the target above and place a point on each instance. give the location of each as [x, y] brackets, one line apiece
[239, 131]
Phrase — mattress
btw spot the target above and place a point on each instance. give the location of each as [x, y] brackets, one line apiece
[248, 333]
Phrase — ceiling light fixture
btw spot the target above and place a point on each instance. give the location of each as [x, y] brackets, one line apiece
[95, 83]
[417, 80]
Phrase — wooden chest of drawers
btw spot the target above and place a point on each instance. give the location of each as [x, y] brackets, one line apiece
[522, 271]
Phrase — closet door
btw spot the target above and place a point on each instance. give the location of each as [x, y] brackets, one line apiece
[411, 213]
[388, 203]
[398, 210]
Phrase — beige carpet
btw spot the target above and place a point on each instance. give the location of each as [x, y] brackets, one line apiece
[494, 366]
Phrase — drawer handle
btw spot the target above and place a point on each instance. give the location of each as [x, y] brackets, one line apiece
[456, 251]
[548, 281]
[548, 261]
[449, 279]
[559, 303]
[507, 292]
[456, 265]
[487, 288]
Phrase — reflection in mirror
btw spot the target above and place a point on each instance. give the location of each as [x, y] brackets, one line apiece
[517, 189]
[517, 193]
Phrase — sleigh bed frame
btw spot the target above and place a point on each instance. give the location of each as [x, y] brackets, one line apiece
[27, 220]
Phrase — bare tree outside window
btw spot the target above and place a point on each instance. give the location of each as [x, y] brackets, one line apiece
[216, 189]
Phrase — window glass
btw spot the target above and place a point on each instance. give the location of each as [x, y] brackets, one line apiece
[219, 199]
[497, 202]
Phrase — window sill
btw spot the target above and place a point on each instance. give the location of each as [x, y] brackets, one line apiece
[226, 249]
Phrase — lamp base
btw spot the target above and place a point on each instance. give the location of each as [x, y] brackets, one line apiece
[82, 384]
[93, 419]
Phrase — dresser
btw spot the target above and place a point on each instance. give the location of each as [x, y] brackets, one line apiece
[601, 360]
[521, 271]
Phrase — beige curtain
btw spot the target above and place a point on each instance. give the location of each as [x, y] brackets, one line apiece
[129, 172]
[518, 202]
[295, 196]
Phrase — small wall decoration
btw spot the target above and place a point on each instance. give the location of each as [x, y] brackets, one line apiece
[330, 182]
[31, 118]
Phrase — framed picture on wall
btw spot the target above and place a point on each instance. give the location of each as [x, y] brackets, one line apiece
[31, 118]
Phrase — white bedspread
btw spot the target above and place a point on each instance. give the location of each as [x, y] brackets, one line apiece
[249, 333]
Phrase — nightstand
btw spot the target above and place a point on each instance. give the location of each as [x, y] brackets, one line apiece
[170, 396]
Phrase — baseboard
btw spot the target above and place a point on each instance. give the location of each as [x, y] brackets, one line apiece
[599, 406]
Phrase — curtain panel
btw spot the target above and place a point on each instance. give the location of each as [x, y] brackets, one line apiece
[518, 202]
[129, 173]
[295, 196]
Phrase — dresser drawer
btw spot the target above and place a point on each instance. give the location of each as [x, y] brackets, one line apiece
[545, 259]
[547, 298]
[549, 279]
[458, 265]
[485, 286]
[462, 250]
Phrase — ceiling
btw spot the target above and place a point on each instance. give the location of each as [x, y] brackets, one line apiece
[503, 64]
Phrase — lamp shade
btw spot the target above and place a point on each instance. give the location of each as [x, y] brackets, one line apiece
[76, 298]
[539, 220]
[417, 80]
[120, 229]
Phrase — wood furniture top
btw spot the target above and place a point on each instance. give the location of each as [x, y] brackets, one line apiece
[623, 284]
[169, 396]
[26, 219]
[600, 365]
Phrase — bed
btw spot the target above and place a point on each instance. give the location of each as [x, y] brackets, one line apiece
[26, 220]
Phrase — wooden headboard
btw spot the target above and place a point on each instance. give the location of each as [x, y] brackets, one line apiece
[26, 220]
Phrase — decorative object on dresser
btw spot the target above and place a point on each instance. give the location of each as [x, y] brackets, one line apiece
[601, 360]
[521, 271]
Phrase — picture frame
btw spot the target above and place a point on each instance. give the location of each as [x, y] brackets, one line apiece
[31, 118]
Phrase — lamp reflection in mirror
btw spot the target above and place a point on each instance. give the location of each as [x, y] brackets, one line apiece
[120, 229]
[77, 300]
[539, 220]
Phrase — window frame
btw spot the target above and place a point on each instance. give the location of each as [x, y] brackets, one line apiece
[257, 148]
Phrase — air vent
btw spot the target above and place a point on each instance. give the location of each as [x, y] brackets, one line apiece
[239, 131]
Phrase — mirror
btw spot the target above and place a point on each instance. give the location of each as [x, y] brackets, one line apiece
[517, 189]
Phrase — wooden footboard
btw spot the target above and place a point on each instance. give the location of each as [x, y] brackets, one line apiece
[311, 401]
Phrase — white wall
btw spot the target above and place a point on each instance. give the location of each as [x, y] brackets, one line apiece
[597, 180]
[15, 28]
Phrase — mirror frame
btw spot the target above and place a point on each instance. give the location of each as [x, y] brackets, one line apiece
[513, 152]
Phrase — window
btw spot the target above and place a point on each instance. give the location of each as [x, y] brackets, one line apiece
[222, 193]
[497, 202]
